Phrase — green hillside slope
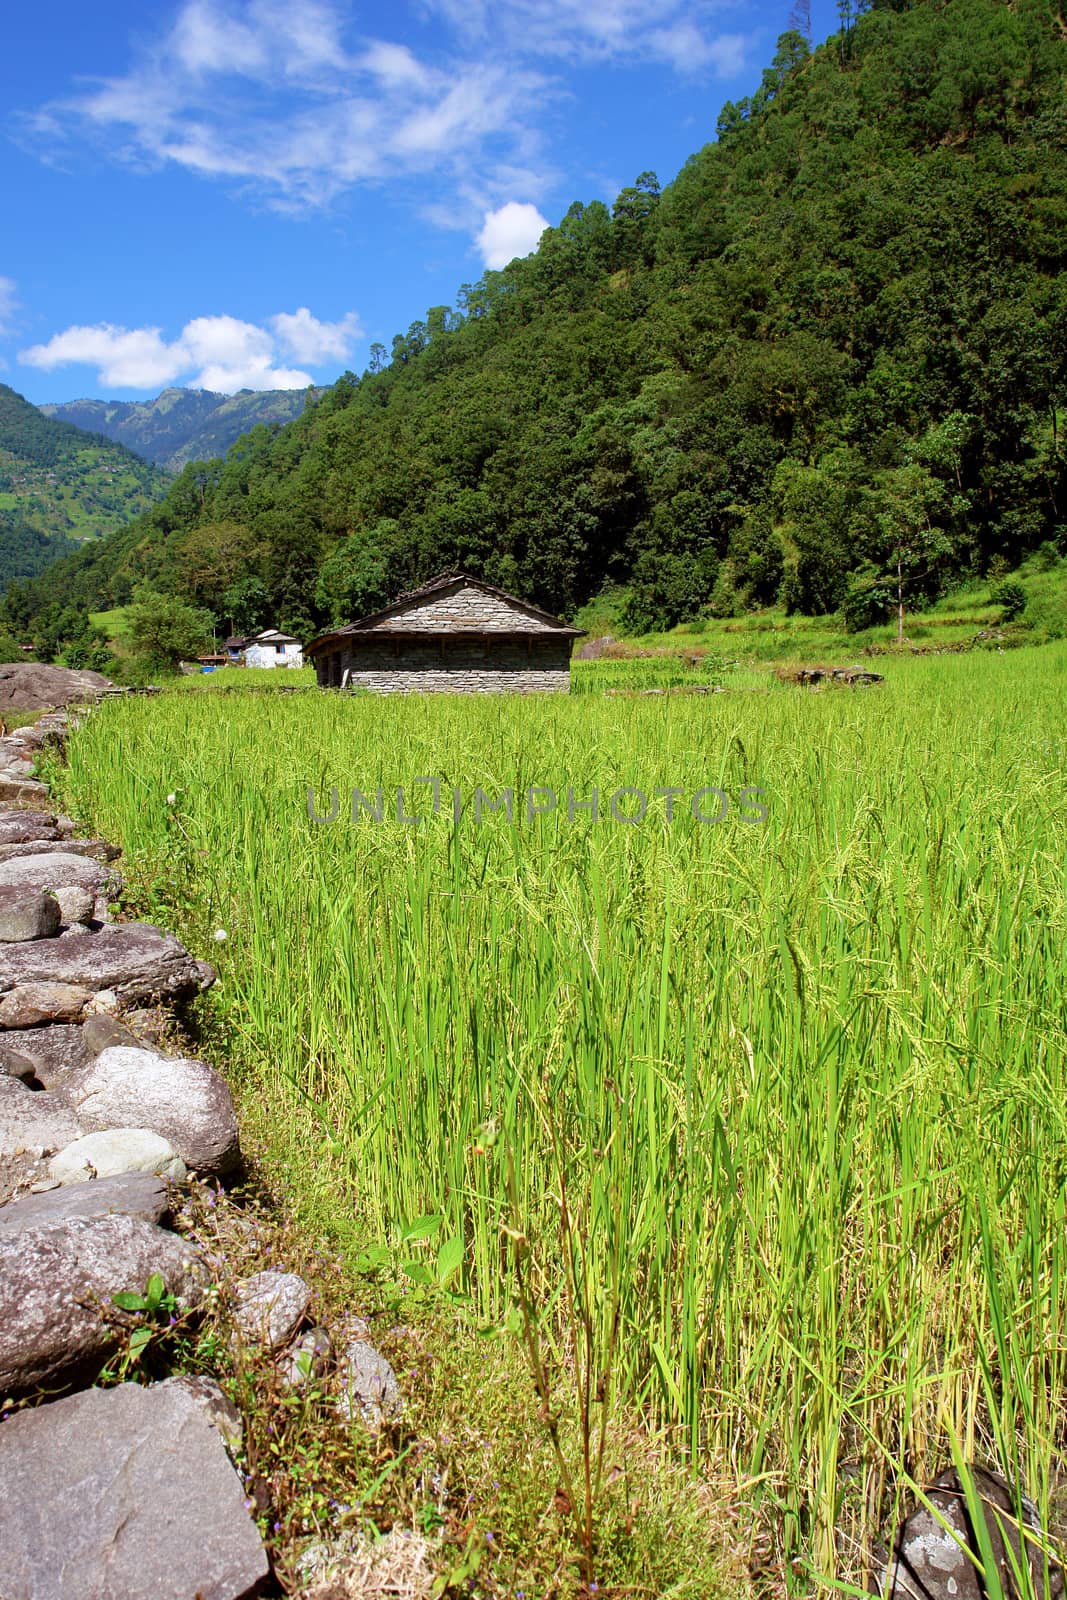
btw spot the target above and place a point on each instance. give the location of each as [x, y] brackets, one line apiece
[59, 484]
[181, 425]
[827, 362]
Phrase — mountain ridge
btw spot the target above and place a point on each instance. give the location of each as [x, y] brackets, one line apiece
[180, 425]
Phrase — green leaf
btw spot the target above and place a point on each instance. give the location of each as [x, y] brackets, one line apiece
[421, 1228]
[417, 1272]
[126, 1301]
[449, 1258]
[154, 1290]
[138, 1339]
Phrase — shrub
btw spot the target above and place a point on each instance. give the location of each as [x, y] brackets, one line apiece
[1010, 596]
[868, 601]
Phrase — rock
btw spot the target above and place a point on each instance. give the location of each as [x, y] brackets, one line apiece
[75, 904]
[222, 1414]
[13, 1064]
[101, 1031]
[186, 1101]
[305, 1359]
[95, 849]
[271, 1306]
[115, 1150]
[123, 1494]
[27, 913]
[130, 1194]
[593, 649]
[928, 1564]
[57, 1052]
[29, 685]
[57, 1280]
[137, 960]
[61, 869]
[24, 827]
[369, 1390]
[15, 766]
[32, 1125]
[23, 791]
[29, 1004]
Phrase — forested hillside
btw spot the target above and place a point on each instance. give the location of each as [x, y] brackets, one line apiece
[828, 358]
[181, 425]
[59, 484]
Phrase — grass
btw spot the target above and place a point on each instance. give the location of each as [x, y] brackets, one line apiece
[750, 1133]
[771, 635]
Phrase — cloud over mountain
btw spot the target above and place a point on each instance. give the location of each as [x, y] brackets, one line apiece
[220, 353]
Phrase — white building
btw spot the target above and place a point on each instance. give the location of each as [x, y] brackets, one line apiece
[273, 649]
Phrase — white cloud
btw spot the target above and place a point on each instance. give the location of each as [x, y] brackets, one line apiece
[220, 353]
[8, 302]
[305, 338]
[512, 230]
[278, 97]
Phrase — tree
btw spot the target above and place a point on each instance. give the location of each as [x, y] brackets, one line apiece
[911, 499]
[163, 631]
[247, 605]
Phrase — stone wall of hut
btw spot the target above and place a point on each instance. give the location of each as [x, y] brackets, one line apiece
[450, 665]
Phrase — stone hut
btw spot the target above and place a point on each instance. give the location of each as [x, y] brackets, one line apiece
[455, 634]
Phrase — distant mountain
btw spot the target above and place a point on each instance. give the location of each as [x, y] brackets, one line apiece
[181, 425]
[59, 485]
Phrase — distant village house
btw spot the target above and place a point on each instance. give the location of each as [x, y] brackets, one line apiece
[266, 649]
[454, 634]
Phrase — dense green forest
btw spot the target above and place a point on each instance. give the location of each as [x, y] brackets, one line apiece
[182, 425]
[828, 359]
[59, 484]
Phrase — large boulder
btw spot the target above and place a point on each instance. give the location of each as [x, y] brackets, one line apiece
[136, 960]
[123, 1494]
[186, 1101]
[98, 849]
[56, 1284]
[934, 1556]
[131, 1194]
[57, 1051]
[31, 685]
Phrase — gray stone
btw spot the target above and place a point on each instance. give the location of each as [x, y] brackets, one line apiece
[27, 913]
[32, 1125]
[369, 1390]
[14, 765]
[23, 827]
[23, 791]
[30, 1004]
[123, 1494]
[14, 1064]
[130, 1194]
[57, 1052]
[56, 1284]
[221, 1412]
[75, 904]
[31, 685]
[307, 1358]
[95, 849]
[929, 1564]
[270, 1307]
[62, 869]
[186, 1101]
[114, 1150]
[138, 961]
[100, 1032]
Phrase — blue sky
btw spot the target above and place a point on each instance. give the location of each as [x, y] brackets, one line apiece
[248, 193]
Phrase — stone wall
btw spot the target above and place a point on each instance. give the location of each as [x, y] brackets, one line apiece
[450, 665]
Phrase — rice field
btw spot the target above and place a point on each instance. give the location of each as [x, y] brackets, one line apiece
[745, 1111]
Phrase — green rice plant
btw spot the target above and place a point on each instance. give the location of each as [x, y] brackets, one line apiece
[777, 1107]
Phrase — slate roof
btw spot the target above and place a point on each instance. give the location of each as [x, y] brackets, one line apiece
[439, 585]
